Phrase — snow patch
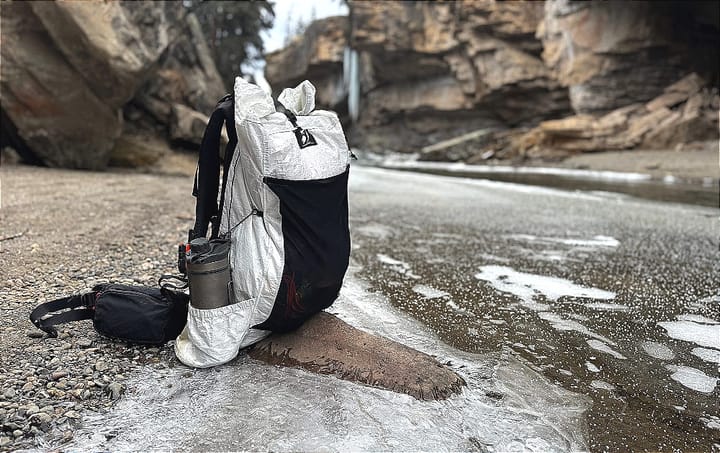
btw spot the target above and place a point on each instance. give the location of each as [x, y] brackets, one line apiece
[566, 324]
[429, 292]
[602, 385]
[602, 347]
[690, 329]
[697, 318]
[708, 355]
[399, 266]
[595, 241]
[528, 286]
[692, 378]
[657, 350]
[607, 307]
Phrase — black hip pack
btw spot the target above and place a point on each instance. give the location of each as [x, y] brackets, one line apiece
[135, 314]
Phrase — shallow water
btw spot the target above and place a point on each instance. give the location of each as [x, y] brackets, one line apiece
[703, 192]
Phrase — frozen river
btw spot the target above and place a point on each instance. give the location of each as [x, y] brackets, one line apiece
[579, 320]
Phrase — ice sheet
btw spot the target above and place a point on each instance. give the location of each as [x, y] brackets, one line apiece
[248, 405]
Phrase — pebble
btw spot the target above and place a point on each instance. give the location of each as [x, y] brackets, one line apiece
[58, 374]
[5, 441]
[35, 333]
[84, 343]
[9, 393]
[101, 366]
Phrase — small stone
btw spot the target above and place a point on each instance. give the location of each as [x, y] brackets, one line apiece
[9, 393]
[58, 374]
[28, 386]
[40, 418]
[35, 334]
[5, 441]
[17, 433]
[72, 414]
[115, 390]
[101, 366]
[84, 343]
[32, 409]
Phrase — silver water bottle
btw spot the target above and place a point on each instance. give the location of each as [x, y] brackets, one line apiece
[208, 271]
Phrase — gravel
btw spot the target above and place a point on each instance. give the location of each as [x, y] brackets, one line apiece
[62, 232]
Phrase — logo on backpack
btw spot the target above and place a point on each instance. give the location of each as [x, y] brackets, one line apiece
[304, 138]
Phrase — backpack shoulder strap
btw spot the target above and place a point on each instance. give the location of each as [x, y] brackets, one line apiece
[42, 318]
[208, 172]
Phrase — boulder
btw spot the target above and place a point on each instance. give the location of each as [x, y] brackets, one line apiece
[112, 45]
[683, 113]
[327, 345]
[187, 125]
[59, 119]
[186, 75]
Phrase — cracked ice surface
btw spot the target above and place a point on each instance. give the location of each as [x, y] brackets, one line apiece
[252, 406]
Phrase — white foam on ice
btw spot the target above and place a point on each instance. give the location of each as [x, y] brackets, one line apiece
[455, 307]
[708, 355]
[602, 347]
[657, 350]
[712, 422]
[697, 318]
[595, 241]
[692, 378]
[602, 385]
[375, 230]
[607, 307]
[689, 329]
[559, 323]
[398, 266]
[429, 292]
[528, 286]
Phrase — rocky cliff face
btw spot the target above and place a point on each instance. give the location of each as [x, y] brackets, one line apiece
[431, 71]
[71, 69]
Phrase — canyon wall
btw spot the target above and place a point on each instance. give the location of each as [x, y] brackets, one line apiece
[494, 72]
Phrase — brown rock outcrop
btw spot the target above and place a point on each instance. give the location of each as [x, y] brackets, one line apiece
[77, 75]
[327, 345]
[49, 102]
[474, 63]
[615, 53]
[316, 55]
[685, 112]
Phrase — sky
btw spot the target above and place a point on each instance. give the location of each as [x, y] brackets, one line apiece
[294, 10]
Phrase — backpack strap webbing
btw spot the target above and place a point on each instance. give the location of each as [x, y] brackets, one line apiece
[207, 175]
[42, 318]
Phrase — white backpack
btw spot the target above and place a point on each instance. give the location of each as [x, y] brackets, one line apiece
[284, 207]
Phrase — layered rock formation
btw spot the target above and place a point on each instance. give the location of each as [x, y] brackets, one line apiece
[70, 70]
[316, 55]
[472, 80]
